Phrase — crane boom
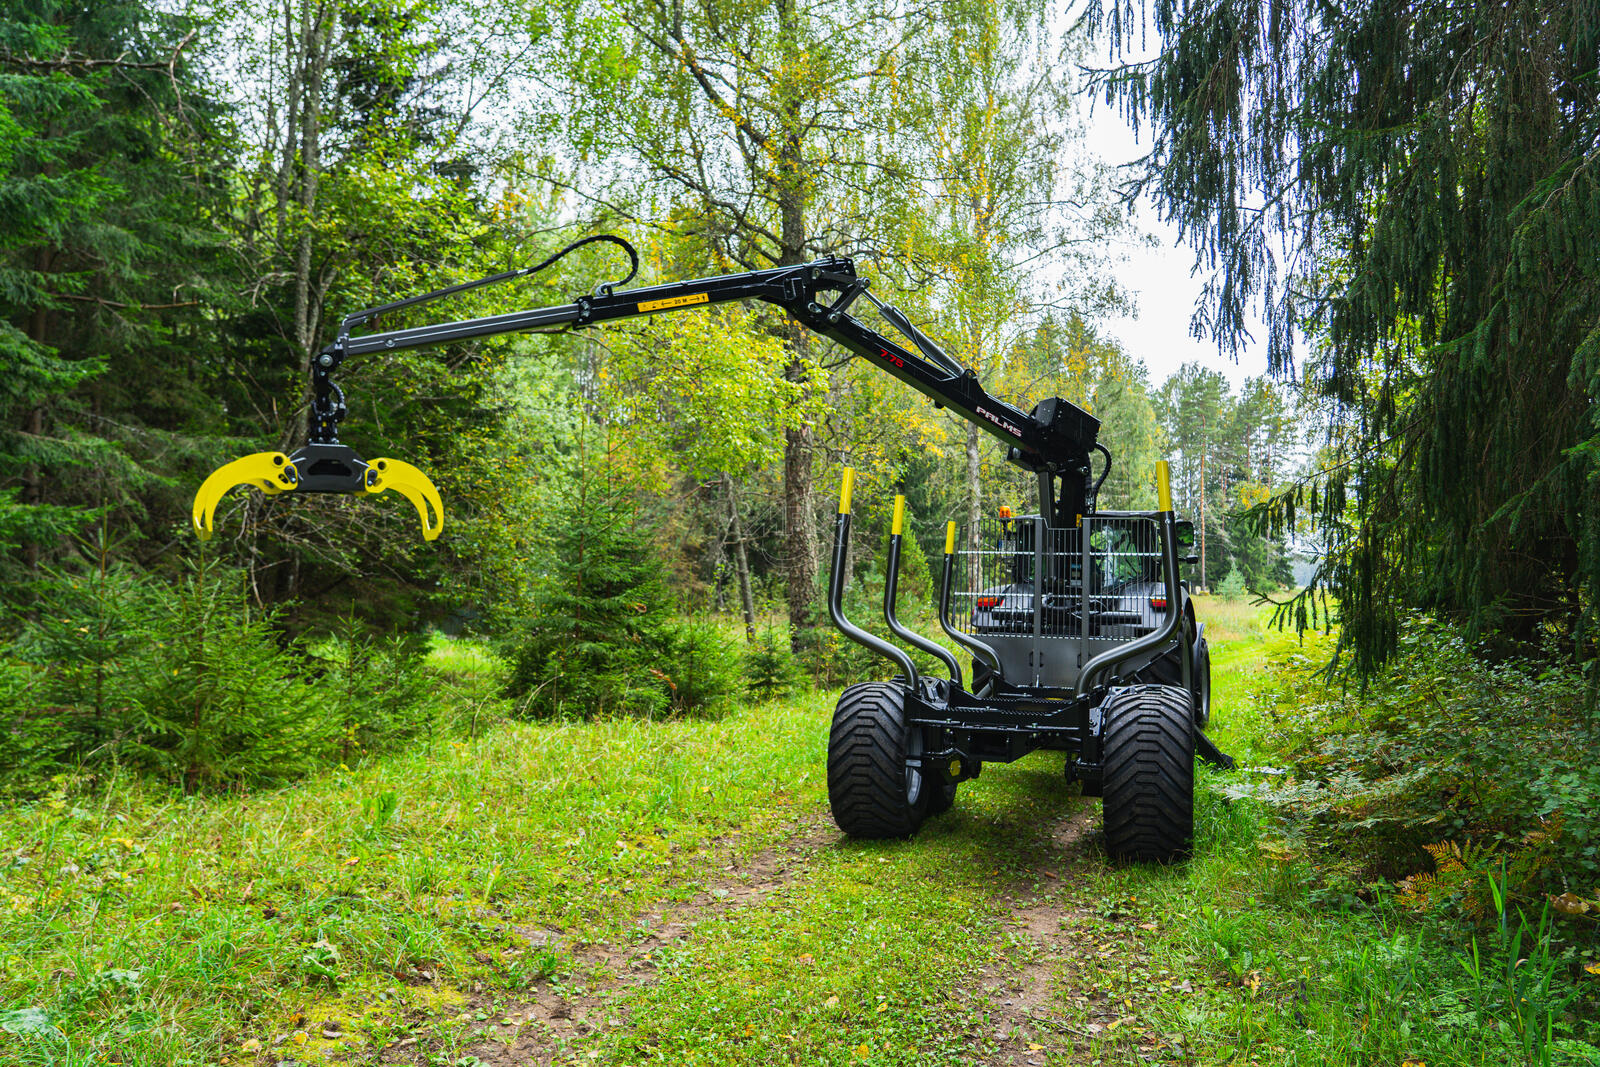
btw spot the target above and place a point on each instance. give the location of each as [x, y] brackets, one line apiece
[1054, 439]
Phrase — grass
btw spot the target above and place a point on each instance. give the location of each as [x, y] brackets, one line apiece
[424, 895]
[1280, 972]
[227, 916]
[464, 659]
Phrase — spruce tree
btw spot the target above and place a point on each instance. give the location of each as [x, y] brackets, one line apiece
[599, 636]
[1416, 185]
[108, 179]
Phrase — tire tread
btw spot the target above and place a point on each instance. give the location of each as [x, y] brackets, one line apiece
[1148, 761]
[866, 764]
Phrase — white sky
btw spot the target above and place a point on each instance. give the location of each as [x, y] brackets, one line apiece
[1159, 276]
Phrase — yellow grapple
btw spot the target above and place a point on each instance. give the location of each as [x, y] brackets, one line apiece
[319, 468]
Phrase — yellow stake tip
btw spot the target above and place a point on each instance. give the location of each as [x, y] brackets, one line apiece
[1164, 484]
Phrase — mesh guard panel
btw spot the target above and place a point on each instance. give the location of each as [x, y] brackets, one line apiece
[1020, 588]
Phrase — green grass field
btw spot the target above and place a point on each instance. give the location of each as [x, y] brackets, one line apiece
[629, 892]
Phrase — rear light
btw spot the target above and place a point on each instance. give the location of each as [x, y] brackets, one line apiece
[987, 602]
[1159, 603]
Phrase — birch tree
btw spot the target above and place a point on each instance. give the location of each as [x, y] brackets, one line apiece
[744, 128]
[1021, 217]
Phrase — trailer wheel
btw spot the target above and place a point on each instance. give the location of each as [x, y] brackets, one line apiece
[1149, 773]
[872, 792]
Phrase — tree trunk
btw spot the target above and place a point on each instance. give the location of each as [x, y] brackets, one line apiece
[1203, 586]
[799, 543]
[33, 425]
[741, 558]
[307, 316]
[308, 42]
[800, 548]
[974, 498]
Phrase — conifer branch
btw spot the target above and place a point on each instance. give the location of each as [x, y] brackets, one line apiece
[68, 61]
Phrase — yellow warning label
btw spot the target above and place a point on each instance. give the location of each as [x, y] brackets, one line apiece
[673, 302]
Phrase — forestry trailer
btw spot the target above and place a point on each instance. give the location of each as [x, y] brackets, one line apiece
[1082, 638]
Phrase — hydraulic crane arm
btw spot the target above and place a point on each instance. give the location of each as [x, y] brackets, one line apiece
[1054, 439]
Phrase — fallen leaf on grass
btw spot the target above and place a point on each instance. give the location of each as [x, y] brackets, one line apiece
[1569, 904]
[1592, 968]
[882, 1008]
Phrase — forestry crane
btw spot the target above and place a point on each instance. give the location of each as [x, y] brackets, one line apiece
[1082, 637]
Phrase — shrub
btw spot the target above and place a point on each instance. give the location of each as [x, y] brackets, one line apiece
[377, 689]
[832, 659]
[704, 668]
[770, 668]
[33, 744]
[1446, 767]
[600, 625]
[471, 682]
[218, 700]
[1233, 586]
[182, 679]
[189, 682]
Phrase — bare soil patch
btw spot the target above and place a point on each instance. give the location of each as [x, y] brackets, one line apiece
[553, 1021]
[1016, 1001]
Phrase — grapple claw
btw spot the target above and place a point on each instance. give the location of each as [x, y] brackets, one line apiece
[412, 484]
[271, 472]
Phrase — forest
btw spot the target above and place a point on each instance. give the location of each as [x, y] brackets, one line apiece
[551, 788]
